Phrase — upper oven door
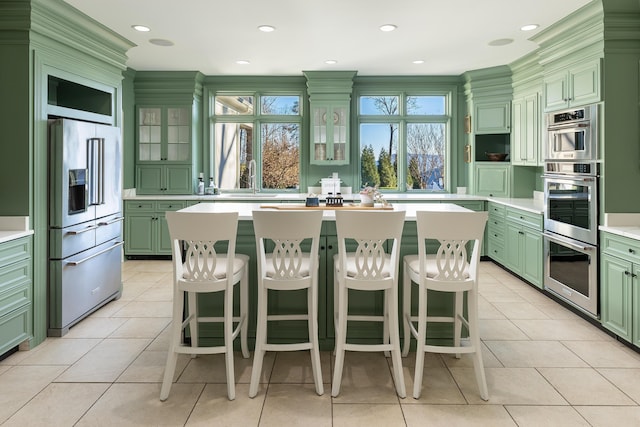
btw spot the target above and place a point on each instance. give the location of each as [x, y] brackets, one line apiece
[571, 142]
[571, 207]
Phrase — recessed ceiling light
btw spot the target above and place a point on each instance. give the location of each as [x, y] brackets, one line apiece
[500, 42]
[266, 28]
[141, 28]
[529, 27]
[330, 61]
[243, 62]
[388, 27]
[161, 42]
[418, 61]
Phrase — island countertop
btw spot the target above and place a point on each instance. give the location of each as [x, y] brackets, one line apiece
[245, 210]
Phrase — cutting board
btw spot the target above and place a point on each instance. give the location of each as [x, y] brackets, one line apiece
[346, 207]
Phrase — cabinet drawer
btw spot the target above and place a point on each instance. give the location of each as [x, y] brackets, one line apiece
[171, 205]
[140, 205]
[495, 250]
[496, 209]
[15, 327]
[15, 286]
[528, 219]
[496, 222]
[495, 232]
[15, 250]
[621, 246]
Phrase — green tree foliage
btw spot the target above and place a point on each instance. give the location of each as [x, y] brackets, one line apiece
[413, 177]
[369, 170]
[386, 171]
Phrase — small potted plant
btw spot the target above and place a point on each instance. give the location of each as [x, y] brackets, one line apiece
[370, 195]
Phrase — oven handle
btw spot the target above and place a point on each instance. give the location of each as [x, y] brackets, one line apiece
[569, 177]
[569, 126]
[570, 243]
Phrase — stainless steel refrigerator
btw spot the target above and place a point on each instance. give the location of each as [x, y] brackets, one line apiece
[85, 220]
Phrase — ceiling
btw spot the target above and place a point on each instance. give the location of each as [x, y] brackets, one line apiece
[450, 36]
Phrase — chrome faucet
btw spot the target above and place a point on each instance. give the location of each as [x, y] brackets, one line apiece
[252, 176]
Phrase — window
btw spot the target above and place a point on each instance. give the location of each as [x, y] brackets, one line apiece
[268, 134]
[404, 141]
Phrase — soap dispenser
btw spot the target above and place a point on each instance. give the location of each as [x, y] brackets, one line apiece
[201, 185]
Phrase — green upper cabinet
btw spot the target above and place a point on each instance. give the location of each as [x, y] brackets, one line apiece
[168, 131]
[329, 104]
[164, 146]
[576, 85]
[330, 133]
[493, 117]
[526, 131]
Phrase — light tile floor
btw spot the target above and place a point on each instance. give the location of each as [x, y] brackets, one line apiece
[545, 367]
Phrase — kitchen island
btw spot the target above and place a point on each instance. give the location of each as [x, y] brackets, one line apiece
[293, 302]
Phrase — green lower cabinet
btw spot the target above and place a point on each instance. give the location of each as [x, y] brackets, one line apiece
[619, 308]
[523, 251]
[145, 226]
[16, 284]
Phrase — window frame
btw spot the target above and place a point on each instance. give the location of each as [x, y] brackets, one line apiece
[257, 119]
[403, 119]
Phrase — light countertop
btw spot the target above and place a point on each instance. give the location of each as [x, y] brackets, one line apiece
[622, 224]
[14, 227]
[245, 209]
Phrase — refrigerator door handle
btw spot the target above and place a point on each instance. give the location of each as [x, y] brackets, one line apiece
[95, 154]
[113, 221]
[101, 172]
[94, 255]
[84, 230]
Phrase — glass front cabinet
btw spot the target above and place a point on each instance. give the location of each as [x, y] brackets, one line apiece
[164, 150]
[330, 133]
[329, 103]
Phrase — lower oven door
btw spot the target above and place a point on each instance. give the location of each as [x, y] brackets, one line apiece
[571, 272]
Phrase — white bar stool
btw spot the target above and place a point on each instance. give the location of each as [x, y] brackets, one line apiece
[449, 269]
[205, 270]
[287, 267]
[368, 268]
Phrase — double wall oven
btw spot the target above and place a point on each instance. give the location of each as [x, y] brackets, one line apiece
[571, 207]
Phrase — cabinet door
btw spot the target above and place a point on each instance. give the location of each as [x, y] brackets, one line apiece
[178, 179]
[584, 82]
[531, 130]
[149, 179]
[150, 134]
[492, 180]
[555, 91]
[513, 253]
[493, 117]
[178, 134]
[140, 231]
[532, 257]
[616, 295]
[330, 133]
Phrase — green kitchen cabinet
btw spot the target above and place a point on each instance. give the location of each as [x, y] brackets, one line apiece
[330, 133]
[492, 117]
[15, 292]
[164, 179]
[145, 226]
[164, 147]
[576, 85]
[492, 179]
[619, 292]
[526, 131]
[329, 104]
[524, 245]
[496, 230]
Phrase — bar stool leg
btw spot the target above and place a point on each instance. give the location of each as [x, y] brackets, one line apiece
[406, 310]
[341, 336]
[394, 338]
[422, 338]
[312, 310]
[244, 313]
[228, 342]
[261, 336]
